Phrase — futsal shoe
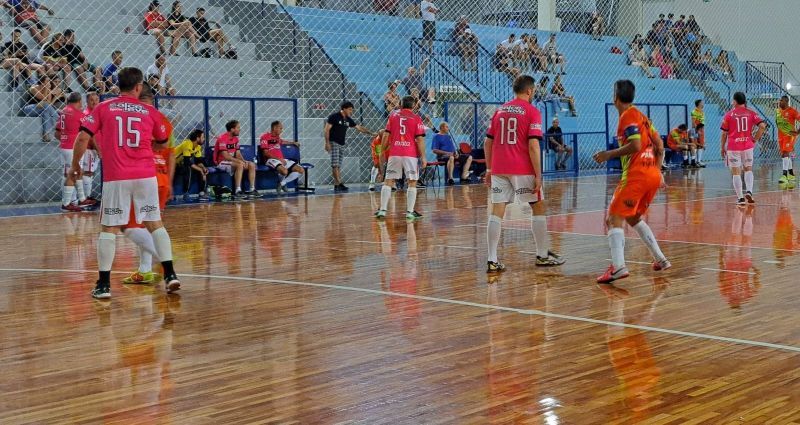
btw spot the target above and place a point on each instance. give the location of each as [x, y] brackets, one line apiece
[138, 278]
[380, 214]
[172, 283]
[413, 215]
[611, 275]
[660, 265]
[71, 208]
[495, 267]
[741, 202]
[101, 291]
[749, 197]
[784, 179]
[551, 260]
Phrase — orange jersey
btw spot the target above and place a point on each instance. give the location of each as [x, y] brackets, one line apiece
[786, 119]
[377, 150]
[161, 158]
[634, 125]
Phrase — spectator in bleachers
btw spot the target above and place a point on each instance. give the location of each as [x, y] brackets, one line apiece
[679, 141]
[271, 155]
[17, 49]
[468, 50]
[700, 62]
[510, 44]
[206, 33]
[189, 158]
[53, 58]
[391, 100]
[536, 54]
[662, 62]
[228, 158]
[416, 80]
[160, 70]
[111, 70]
[502, 62]
[157, 25]
[693, 27]
[40, 104]
[25, 16]
[679, 27]
[447, 152]
[638, 57]
[555, 141]
[459, 28]
[76, 60]
[669, 22]
[554, 57]
[428, 11]
[15, 59]
[597, 26]
[180, 27]
[561, 95]
[724, 65]
[58, 94]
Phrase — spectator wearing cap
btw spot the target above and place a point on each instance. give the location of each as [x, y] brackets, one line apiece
[335, 133]
[111, 70]
[205, 33]
[391, 100]
[555, 140]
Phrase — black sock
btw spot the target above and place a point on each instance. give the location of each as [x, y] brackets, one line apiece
[785, 172]
[105, 278]
[168, 270]
[791, 171]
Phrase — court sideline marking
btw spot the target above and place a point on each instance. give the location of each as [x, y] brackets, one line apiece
[528, 312]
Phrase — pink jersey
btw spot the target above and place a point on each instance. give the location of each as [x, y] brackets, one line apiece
[739, 123]
[225, 143]
[69, 124]
[125, 129]
[403, 128]
[271, 145]
[512, 126]
[91, 145]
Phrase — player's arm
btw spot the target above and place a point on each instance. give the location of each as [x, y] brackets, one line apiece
[658, 147]
[723, 142]
[365, 130]
[421, 149]
[535, 153]
[762, 128]
[226, 156]
[78, 149]
[633, 143]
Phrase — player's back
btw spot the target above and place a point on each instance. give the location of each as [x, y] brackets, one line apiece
[404, 126]
[125, 129]
[512, 125]
[69, 123]
[739, 123]
[633, 124]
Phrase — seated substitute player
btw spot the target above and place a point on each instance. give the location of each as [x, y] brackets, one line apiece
[787, 119]
[228, 158]
[404, 140]
[642, 154]
[679, 141]
[91, 159]
[164, 162]
[378, 160]
[699, 126]
[189, 161]
[125, 130]
[446, 150]
[271, 155]
[67, 128]
[737, 144]
[514, 167]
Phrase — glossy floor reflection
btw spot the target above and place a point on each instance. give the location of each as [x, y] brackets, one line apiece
[306, 310]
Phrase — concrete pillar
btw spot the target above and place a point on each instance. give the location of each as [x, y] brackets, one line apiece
[547, 15]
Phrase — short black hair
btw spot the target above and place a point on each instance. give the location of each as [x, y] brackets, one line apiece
[512, 35]
[522, 83]
[17, 30]
[68, 32]
[346, 105]
[147, 92]
[200, 9]
[274, 124]
[784, 97]
[116, 52]
[625, 91]
[683, 127]
[74, 97]
[740, 98]
[408, 102]
[230, 125]
[699, 126]
[128, 78]
[194, 135]
[698, 102]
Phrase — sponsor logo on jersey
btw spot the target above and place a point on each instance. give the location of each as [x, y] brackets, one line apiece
[112, 211]
[523, 191]
[148, 209]
[128, 107]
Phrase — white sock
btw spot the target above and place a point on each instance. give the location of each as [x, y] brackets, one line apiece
[787, 164]
[737, 186]
[145, 261]
[79, 192]
[386, 194]
[87, 185]
[685, 156]
[649, 240]
[106, 248]
[67, 192]
[294, 175]
[142, 238]
[411, 198]
[238, 189]
[493, 229]
[616, 241]
[748, 181]
[373, 175]
[163, 244]
[700, 155]
[540, 236]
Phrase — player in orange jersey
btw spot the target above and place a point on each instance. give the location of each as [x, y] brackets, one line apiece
[787, 118]
[165, 171]
[641, 154]
[378, 158]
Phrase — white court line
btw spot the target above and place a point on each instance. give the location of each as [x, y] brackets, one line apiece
[463, 303]
[727, 271]
[457, 247]
[36, 234]
[371, 242]
[294, 239]
[772, 262]
[634, 262]
[211, 237]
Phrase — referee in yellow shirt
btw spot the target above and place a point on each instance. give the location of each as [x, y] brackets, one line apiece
[189, 160]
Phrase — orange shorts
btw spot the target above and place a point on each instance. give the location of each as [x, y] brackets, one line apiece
[786, 143]
[634, 197]
[163, 194]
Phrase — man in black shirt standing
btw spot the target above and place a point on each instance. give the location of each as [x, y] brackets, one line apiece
[335, 132]
[556, 142]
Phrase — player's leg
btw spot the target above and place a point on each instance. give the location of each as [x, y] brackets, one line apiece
[545, 257]
[466, 166]
[616, 242]
[295, 172]
[394, 171]
[735, 164]
[115, 210]
[451, 165]
[251, 170]
[502, 193]
[238, 171]
[411, 168]
[747, 163]
[147, 210]
[660, 261]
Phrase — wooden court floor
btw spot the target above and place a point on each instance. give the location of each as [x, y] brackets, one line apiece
[306, 310]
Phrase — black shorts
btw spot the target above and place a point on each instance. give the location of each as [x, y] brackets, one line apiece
[428, 30]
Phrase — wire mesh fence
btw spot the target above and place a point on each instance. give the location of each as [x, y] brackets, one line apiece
[325, 52]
